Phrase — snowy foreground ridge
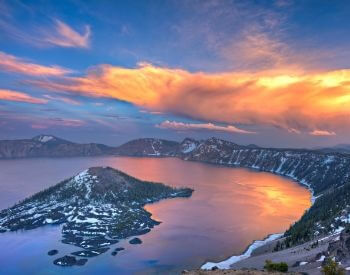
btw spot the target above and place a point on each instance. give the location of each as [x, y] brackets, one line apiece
[227, 263]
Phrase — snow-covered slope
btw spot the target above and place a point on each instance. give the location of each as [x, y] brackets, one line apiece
[314, 169]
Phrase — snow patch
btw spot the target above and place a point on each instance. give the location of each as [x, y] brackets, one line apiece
[227, 263]
[189, 148]
[44, 139]
[322, 258]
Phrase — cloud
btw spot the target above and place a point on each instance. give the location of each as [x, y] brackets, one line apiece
[10, 63]
[322, 133]
[284, 99]
[258, 49]
[55, 33]
[65, 36]
[54, 122]
[201, 126]
[9, 95]
[63, 99]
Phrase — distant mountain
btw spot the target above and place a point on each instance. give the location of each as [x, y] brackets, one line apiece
[49, 146]
[148, 147]
[96, 207]
[340, 148]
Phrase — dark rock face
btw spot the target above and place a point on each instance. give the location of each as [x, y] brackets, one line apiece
[81, 262]
[96, 207]
[135, 241]
[69, 261]
[340, 249]
[52, 252]
[118, 249]
[50, 146]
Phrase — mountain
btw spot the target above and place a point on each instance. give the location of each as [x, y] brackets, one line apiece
[340, 148]
[148, 147]
[49, 146]
[97, 207]
[314, 168]
[327, 175]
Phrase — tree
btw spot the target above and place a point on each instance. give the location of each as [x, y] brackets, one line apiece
[270, 266]
[333, 268]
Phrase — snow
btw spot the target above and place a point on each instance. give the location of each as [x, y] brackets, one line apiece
[322, 258]
[339, 229]
[84, 178]
[329, 159]
[227, 263]
[189, 148]
[346, 219]
[44, 139]
[87, 220]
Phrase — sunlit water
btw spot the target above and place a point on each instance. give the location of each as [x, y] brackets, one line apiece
[228, 210]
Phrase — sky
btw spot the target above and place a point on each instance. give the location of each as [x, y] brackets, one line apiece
[273, 73]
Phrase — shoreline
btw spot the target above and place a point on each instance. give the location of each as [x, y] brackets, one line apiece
[226, 264]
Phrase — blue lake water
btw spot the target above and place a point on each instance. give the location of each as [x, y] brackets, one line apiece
[229, 209]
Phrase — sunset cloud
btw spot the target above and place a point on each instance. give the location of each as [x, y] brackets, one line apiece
[201, 126]
[65, 36]
[10, 63]
[9, 95]
[284, 99]
[54, 33]
[322, 133]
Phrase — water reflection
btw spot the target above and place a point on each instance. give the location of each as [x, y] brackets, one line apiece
[229, 209]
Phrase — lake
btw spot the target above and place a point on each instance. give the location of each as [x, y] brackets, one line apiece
[229, 208]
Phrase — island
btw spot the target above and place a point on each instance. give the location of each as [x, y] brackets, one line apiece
[97, 207]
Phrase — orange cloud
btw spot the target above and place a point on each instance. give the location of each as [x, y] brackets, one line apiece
[322, 133]
[10, 95]
[285, 99]
[65, 36]
[14, 64]
[201, 126]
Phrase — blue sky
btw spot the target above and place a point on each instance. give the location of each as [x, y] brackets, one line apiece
[110, 71]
